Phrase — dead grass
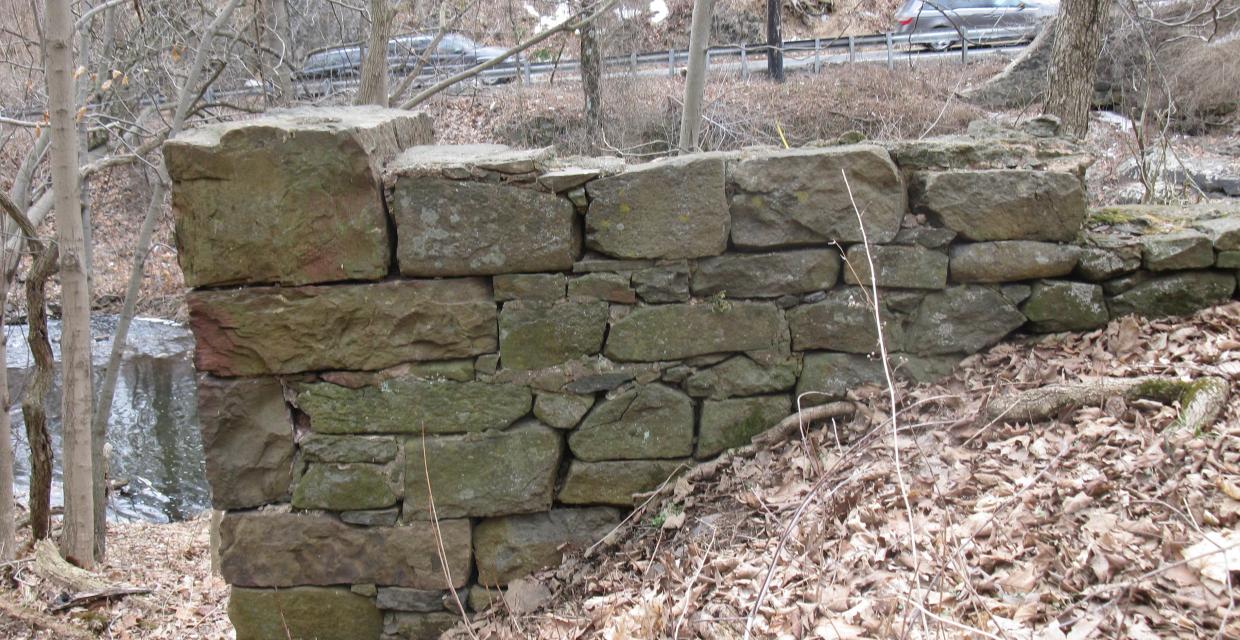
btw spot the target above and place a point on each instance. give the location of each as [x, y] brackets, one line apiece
[1106, 522]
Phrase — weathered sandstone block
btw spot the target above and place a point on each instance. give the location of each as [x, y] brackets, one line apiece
[670, 209]
[615, 481]
[963, 319]
[260, 549]
[341, 487]
[247, 435]
[898, 266]
[411, 405]
[1176, 294]
[1059, 305]
[843, 321]
[451, 228]
[766, 275]
[290, 198]
[270, 330]
[741, 376]
[482, 474]
[1011, 260]
[303, 612]
[1003, 204]
[648, 421]
[1177, 250]
[731, 423]
[514, 546]
[675, 331]
[798, 197]
[534, 334]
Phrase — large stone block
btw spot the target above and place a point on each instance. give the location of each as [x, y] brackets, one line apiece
[1176, 294]
[670, 209]
[733, 422]
[1012, 260]
[452, 228]
[533, 335]
[1060, 305]
[529, 286]
[482, 474]
[674, 331]
[1177, 250]
[1223, 232]
[741, 376]
[515, 546]
[799, 197]
[843, 321]
[303, 613]
[259, 549]
[268, 330]
[897, 266]
[411, 405]
[648, 421]
[290, 198]
[344, 487]
[247, 435]
[767, 275]
[615, 481]
[562, 410]
[324, 448]
[401, 625]
[1003, 204]
[963, 319]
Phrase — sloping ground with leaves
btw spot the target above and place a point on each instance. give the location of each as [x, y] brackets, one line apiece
[1106, 521]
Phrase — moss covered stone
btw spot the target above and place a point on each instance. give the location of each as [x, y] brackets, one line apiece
[614, 482]
[612, 287]
[413, 405]
[511, 547]
[562, 410]
[357, 327]
[1059, 305]
[1173, 295]
[1011, 260]
[733, 422]
[898, 266]
[647, 421]
[402, 625]
[324, 448]
[741, 376]
[303, 613]
[675, 331]
[843, 321]
[1176, 251]
[1003, 204]
[766, 275]
[530, 286]
[482, 474]
[339, 487]
[963, 319]
[534, 335]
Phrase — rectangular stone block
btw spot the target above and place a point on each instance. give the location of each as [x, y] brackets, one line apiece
[515, 546]
[247, 436]
[843, 321]
[291, 198]
[898, 267]
[733, 422]
[482, 474]
[302, 613]
[798, 196]
[615, 481]
[453, 228]
[1012, 260]
[766, 275]
[345, 487]
[533, 335]
[1003, 204]
[670, 209]
[675, 331]
[529, 286]
[260, 549]
[273, 330]
[411, 406]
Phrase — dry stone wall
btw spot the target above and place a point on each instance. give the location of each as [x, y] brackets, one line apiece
[427, 371]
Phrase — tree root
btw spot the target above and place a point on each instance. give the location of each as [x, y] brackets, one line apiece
[1201, 400]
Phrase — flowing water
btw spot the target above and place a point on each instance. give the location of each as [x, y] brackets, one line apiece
[153, 429]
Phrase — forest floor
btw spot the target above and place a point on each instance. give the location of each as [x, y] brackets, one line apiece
[1104, 521]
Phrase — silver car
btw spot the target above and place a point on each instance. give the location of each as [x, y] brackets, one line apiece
[980, 21]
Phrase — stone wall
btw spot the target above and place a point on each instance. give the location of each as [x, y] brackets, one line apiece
[427, 371]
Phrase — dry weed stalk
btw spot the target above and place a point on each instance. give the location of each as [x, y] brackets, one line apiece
[439, 548]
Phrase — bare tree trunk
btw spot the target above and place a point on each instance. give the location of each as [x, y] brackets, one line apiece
[78, 539]
[1074, 58]
[774, 42]
[591, 77]
[8, 528]
[34, 404]
[373, 86]
[695, 78]
[281, 40]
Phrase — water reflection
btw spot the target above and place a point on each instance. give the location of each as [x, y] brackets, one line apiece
[153, 433]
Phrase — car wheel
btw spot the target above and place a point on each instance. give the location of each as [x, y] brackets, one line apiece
[945, 42]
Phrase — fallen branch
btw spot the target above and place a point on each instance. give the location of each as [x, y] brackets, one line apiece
[86, 597]
[1201, 400]
[37, 620]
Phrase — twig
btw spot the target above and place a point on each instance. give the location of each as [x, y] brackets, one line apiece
[439, 548]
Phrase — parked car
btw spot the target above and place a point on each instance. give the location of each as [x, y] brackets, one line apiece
[982, 21]
[453, 53]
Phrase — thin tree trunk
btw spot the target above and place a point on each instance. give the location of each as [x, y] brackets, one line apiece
[591, 77]
[282, 41]
[373, 86]
[8, 528]
[695, 78]
[34, 404]
[77, 542]
[1074, 58]
[774, 42]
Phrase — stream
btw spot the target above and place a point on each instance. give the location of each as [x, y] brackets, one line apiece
[153, 430]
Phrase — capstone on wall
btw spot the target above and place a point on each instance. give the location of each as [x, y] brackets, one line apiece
[405, 346]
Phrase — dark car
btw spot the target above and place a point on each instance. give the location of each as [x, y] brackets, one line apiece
[453, 53]
[981, 21]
